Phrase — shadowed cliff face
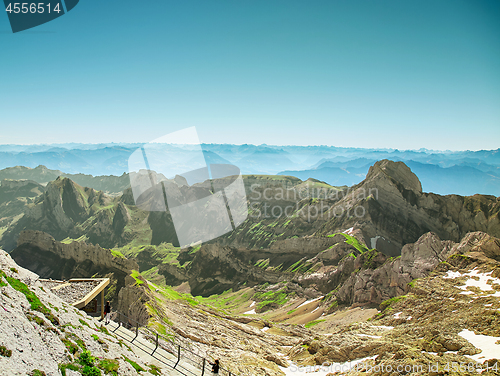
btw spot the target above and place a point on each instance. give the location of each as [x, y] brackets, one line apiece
[40, 253]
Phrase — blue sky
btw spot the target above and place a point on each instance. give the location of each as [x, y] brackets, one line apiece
[396, 74]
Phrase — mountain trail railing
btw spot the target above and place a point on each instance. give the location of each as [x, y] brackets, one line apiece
[184, 360]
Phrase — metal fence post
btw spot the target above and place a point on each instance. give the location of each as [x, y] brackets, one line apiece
[156, 344]
[136, 331]
[178, 355]
[119, 322]
[127, 325]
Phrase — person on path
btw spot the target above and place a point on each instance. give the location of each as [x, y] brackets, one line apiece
[215, 367]
[107, 312]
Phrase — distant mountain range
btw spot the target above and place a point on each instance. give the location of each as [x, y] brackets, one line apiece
[443, 172]
[465, 178]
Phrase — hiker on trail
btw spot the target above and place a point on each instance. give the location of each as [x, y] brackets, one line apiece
[107, 312]
[215, 367]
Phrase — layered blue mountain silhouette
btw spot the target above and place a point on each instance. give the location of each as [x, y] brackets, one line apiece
[443, 172]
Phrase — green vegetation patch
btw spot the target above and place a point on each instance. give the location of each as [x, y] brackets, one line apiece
[262, 263]
[135, 274]
[334, 305]
[64, 366]
[386, 303]
[312, 323]
[103, 329]
[35, 318]
[98, 339]
[109, 366]
[35, 303]
[87, 361]
[136, 366]
[37, 372]
[279, 298]
[83, 322]
[117, 253]
[228, 300]
[154, 370]
[72, 348]
[352, 241]
[169, 293]
[4, 351]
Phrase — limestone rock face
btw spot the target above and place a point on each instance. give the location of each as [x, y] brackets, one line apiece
[131, 300]
[66, 209]
[80, 253]
[397, 173]
[121, 218]
[390, 210]
[372, 286]
[40, 253]
[37, 340]
[216, 268]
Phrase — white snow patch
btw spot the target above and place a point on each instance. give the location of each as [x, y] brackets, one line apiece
[452, 275]
[483, 280]
[488, 305]
[309, 301]
[396, 315]
[480, 280]
[251, 312]
[265, 329]
[253, 303]
[409, 318]
[466, 292]
[485, 343]
[349, 231]
[317, 370]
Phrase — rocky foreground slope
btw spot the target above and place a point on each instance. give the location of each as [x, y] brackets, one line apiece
[38, 331]
[450, 315]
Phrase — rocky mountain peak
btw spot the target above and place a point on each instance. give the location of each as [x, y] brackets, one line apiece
[397, 172]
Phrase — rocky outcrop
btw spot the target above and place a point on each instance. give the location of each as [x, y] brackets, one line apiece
[216, 268]
[442, 319]
[67, 210]
[79, 252]
[373, 286]
[390, 210]
[131, 301]
[121, 218]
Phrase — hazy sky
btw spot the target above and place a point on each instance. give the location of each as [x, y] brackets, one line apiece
[399, 74]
